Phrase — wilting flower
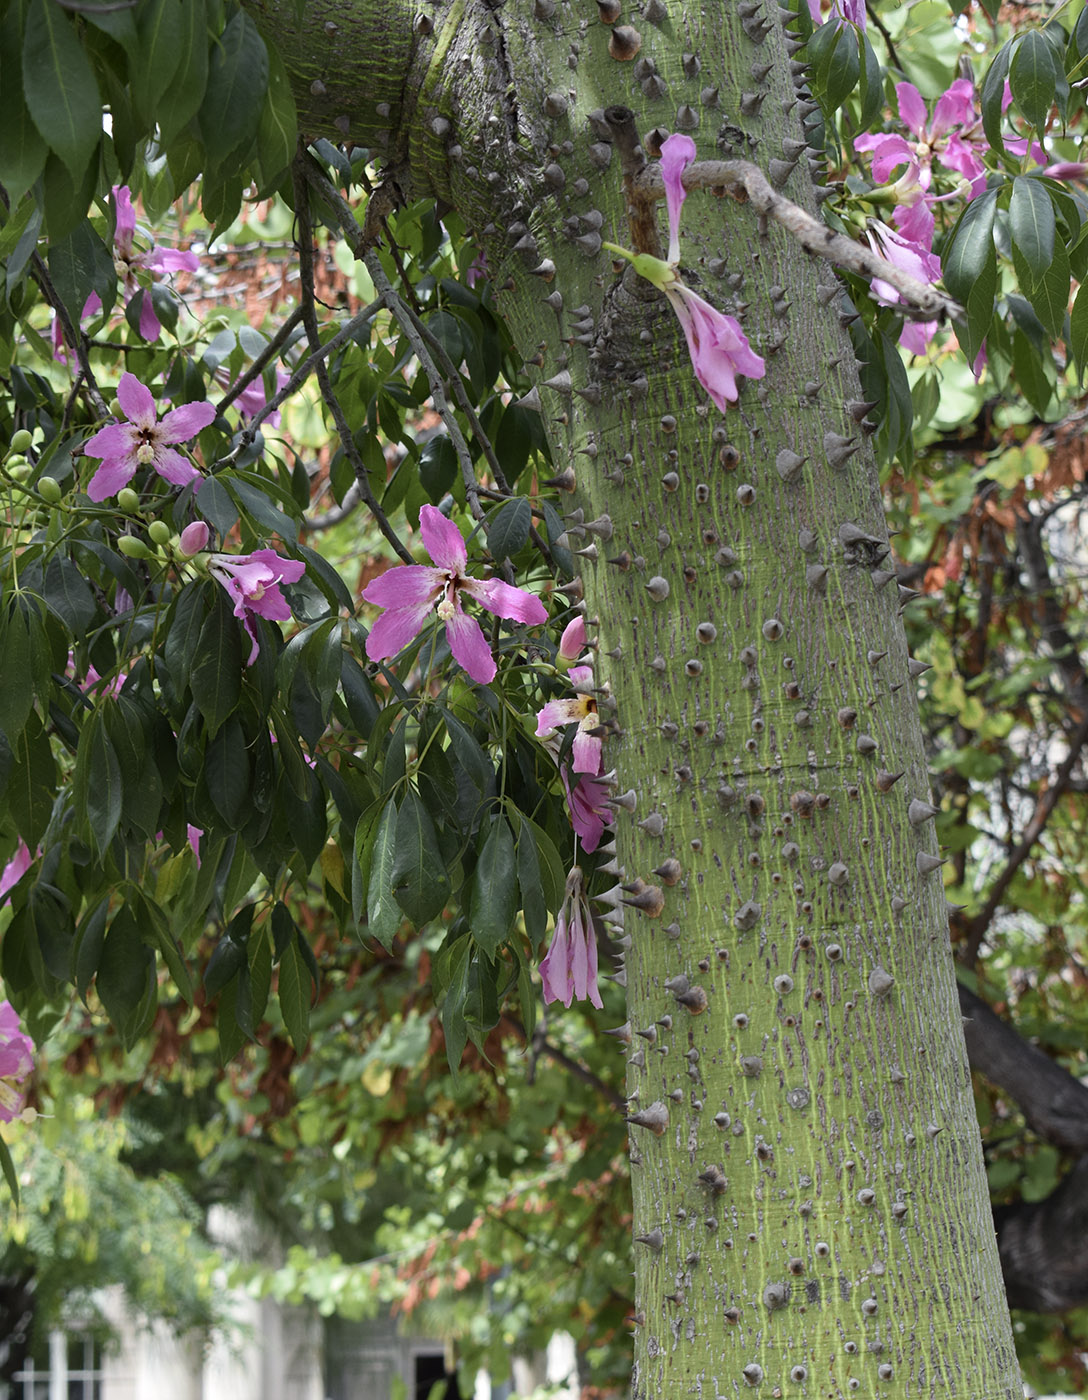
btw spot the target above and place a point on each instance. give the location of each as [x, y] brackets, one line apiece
[410, 593]
[144, 441]
[580, 710]
[253, 581]
[852, 11]
[718, 347]
[588, 813]
[920, 263]
[15, 869]
[16, 1062]
[569, 968]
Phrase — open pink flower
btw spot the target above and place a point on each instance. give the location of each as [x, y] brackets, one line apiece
[569, 968]
[580, 710]
[15, 869]
[952, 138]
[253, 581]
[410, 593]
[920, 263]
[16, 1062]
[128, 261]
[144, 441]
[718, 347]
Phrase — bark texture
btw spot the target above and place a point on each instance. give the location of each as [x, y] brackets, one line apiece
[811, 1211]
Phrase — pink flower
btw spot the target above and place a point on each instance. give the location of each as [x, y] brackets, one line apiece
[193, 835]
[128, 262]
[143, 441]
[253, 398]
[253, 581]
[582, 711]
[410, 593]
[718, 347]
[588, 813]
[920, 263]
[570, 967]
[14, 871]
[16, 1062]
[573, 641]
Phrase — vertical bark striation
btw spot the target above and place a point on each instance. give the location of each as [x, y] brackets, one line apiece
[811, 1213]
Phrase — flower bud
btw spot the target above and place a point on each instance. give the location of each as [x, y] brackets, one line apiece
[49, 489]
[194, 538]
[128, 500]
[159, 531]
[572, 642]
[21, 440]
[132, 548]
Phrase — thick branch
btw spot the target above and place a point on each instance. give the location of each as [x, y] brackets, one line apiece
[750, 184]
[1041, 1243]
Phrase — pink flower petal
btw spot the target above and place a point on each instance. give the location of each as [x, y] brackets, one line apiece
[912, 109]
[956, 107]
[555, 714]
[469, 646]
[124, 216]
[172, 260]
[114, 440]
[137, 402]
[406, 585]
[150, 325]
[173, 467]
[443, 540]
[181, 424]
[110, 477]
[506, 601]
[677, 153]
[586, 752]
[15, 869]
[555, 965]
[395, 629]
[284, 570]
[573, 641]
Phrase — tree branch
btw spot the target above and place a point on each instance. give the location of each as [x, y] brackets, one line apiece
[749, 184]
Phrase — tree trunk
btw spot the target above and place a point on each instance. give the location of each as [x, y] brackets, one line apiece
[811, 1213]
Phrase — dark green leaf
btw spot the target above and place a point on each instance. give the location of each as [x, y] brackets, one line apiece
[162, 30]
[98, 782]
[454, 1025]
[420, 882]
[80, 264]
[295, 993]
[33, 782]
[126, 977]
[277, 132]
[17, 690]
[237, 82]
[508, 528]
[437, 466]
[533, 903]
[67, 593]
[216, 678]
[181, 100]
[227, 772]
[227, 957]
[1078, 331]
[1033, 76]
[10, 1175]
[1031, 224]
[60, 88]
[87, 947]
[494, 891]
[1050, 294]
[22, 150]
[990, 99]
[383, 914]
[971, 246]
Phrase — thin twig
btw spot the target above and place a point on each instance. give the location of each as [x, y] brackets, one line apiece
[267, 355]
[749, 183]
[309, 320]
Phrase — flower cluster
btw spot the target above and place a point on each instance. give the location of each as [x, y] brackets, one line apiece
[570, 967]
[16, 1063]
[718, 347]
[412, 593]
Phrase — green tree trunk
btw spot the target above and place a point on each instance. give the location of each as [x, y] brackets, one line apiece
[811, 1213]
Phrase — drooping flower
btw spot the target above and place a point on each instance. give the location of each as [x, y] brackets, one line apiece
[718, 347]
[15, 869]
[580, 710]
[569, 969]
[410, 593]
[588, 813]
[253, 581]
[129, 261]
[16, 1062]
[144, 441]
[920, 263]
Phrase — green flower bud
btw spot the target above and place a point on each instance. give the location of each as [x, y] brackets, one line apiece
[132, 548]
[49, 489]
[128, 500]
[115, 408]
[159, 531]
[21, 440]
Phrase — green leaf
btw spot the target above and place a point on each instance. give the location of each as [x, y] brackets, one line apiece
[469, 756]
[17, 691]
[216, 678]
[971, 246]
[1032, 375]
[836, 67]
[1033, 77]
[295, 993]
[533, 903]
[980, 306]
[181, 100]
[277, 132]
[161, 27]
[87, 947]
[508, 528]
[237, 82]
[22, 150]
[126, 978]
[494, 892]
[1078, 331]
[60, 88]
[437, 466]
[420, 882]
[366, 832]
[454, 1025]
[227, 773]
[553, 877]
[68, 595]
[1031, 224]
[383, 915]
[8, 1167]
[871, 90]
[1049, 296]
[79, 264]
[98, 782]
